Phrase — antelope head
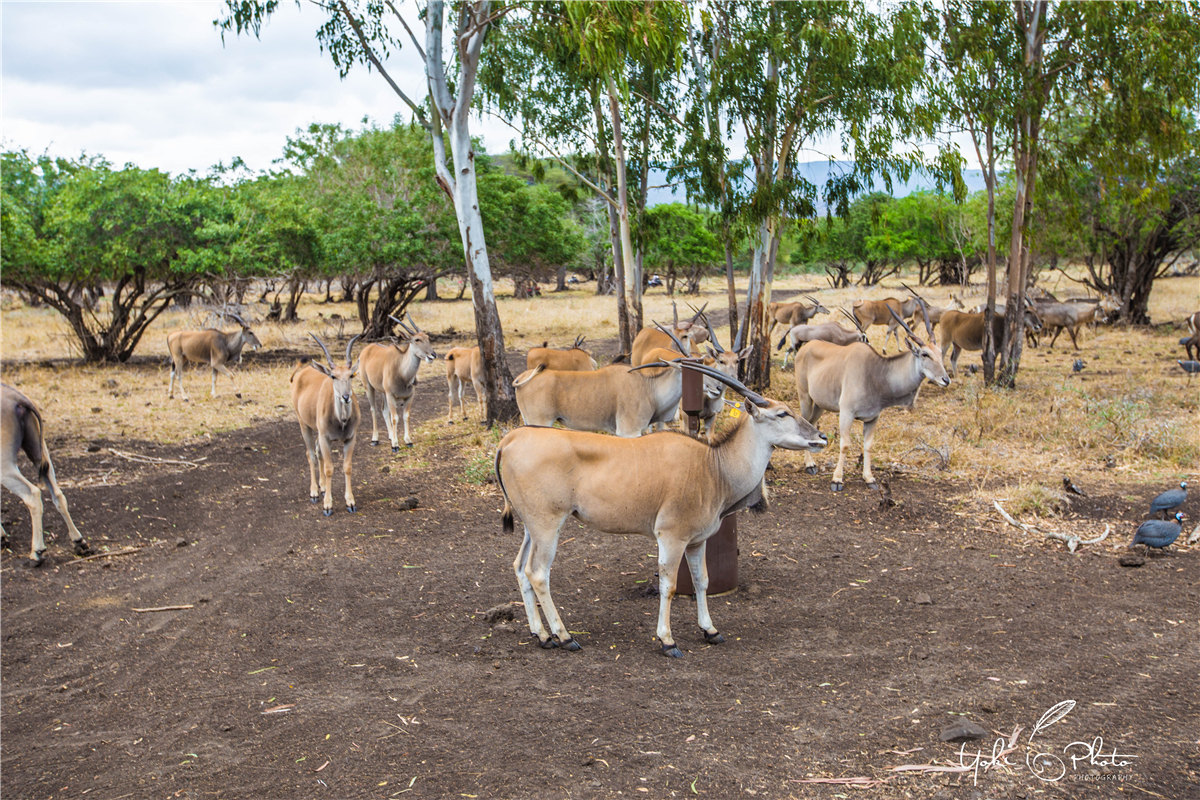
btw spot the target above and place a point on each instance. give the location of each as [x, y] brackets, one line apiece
[418, 340]
[928, 354]
[342, 377]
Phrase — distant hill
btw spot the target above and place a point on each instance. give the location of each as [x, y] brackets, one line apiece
[818, 172]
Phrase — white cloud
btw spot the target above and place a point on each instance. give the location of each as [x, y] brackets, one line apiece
[150, 83]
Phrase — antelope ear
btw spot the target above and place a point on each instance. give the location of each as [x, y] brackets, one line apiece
[354, 369]
[711, 352]
[913, 345]
[744, 353]
[319, 367]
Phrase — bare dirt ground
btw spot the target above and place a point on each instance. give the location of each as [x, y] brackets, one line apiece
[354, 656]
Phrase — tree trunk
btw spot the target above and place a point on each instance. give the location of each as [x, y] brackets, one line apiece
[729, 282]
[560, 279]
[455, 114]
[431, 291]
[614, 233]
[628, 269]
[296, 288]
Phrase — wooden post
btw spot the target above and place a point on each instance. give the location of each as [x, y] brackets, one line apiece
[721, 551]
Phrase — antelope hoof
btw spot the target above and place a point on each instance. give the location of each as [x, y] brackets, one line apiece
[36, 560]
[572, 645]
[713, 638]
[314, 499]
[549, 644]
[396, 448]
[811, 470]
[672, 651]
[837, 486]
[82, 549]
[238, 395]
[374, 443]
[409, 444]
[329, 512]
[352, 508]
[449, 422]
[873, 486]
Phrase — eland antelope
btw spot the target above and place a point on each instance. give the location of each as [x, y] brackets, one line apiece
[573, 359]
[793, 314]
[212, 347]
[623, 486]
[392, 370]
[21, 429]
[684, 336]
[323, 397]
[858, 383]
[961, 330]
[831, 332]
[885, 312]
[465, 364]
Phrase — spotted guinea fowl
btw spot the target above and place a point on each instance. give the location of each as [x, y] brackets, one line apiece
[1169, 500]
[1158, 533]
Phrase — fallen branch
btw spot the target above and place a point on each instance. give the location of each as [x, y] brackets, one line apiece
[140, 459]
[163, 608]
[1072, 540]
[868, 782]
[124, 552]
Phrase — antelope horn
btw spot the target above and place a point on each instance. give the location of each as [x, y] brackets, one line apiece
[675, 311]
[328, 357]
[412, 322]
[853, 319]
[811, 299]
[924, 309]
[732, 383]
[698, 313]
[674, 362]
[578, 342]
[349, 348]
[741, 332]
[713, 335]
[674, 338]
[904, 325]
[404, 329]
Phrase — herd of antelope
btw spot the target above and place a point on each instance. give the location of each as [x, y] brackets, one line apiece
[675, 488]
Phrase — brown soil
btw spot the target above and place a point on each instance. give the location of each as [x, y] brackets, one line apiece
[351, 656]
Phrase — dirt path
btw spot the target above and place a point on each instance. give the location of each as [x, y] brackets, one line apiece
[350, 656]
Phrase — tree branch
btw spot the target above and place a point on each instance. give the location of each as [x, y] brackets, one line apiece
[362, 39]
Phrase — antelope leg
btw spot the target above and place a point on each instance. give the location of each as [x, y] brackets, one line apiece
[31, 496]
[670, 553]
[698, 568]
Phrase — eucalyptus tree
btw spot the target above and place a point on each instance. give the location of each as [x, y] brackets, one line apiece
[564, 67]
[364, 32]
[791, 73]
[1131, 67]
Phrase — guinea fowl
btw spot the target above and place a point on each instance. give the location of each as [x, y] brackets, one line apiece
[1169, 500]
[1158, 533]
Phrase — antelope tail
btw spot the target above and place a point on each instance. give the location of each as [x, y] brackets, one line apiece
[781, 342]
[31, 440]
[508, 509]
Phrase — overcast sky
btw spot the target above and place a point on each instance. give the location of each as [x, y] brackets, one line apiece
[151, 83]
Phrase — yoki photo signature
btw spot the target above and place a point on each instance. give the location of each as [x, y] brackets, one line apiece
[1047, 765]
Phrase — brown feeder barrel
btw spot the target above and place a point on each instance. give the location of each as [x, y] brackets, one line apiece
[721, 551]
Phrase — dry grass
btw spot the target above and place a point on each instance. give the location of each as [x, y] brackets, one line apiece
[1130, 412]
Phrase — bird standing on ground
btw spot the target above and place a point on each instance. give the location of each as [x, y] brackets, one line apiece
[1158, 533]
[1078, 365]
[1169, 500]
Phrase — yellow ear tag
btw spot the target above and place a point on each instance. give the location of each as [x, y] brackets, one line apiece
[736, 411]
